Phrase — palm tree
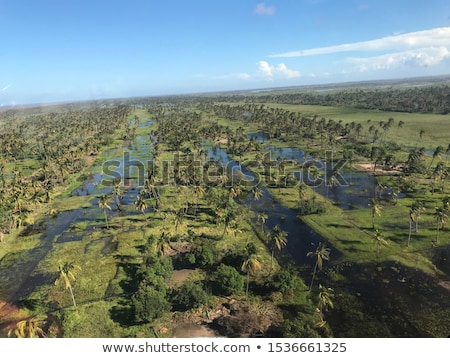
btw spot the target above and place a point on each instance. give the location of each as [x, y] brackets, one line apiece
[262, 218]
[437, 152]
[379, 240]
[251, 265]
[418, 207]
[67, 274]
[163, 245]
[140, 204]
[257, 193]
[118, 194]
[321, 253]
[179, 219]
[375, 209]
[411, 221]
[414, 213]
[301, 190]
[28, 328]
[326, 296]
[440, 215]
[199, 191]
[278, 240]
[103, 203]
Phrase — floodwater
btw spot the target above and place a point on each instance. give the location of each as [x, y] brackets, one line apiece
[389, 297]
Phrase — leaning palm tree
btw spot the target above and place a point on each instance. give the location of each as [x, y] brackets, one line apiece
[321, 253]
[278, 240]
[251, 265]
[28, 328]
[103, 203]
[67, 274]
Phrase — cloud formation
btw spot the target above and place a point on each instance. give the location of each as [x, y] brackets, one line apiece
[262, 9]
[438, 37]
[424, 57]
[281, 70]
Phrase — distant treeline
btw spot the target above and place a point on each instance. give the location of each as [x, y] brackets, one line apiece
[424, 99]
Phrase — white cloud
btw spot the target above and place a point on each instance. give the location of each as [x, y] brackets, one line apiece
[424, 57]
[262, 9]
[438, 37]
[281, 70]
[241, 76]
[6, 87]
[244, 76]
[286, 72]
[265, 68]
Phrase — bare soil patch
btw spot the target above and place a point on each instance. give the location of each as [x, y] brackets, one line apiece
[368, 168]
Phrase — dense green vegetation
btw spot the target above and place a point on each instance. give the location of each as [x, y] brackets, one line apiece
[119, 221]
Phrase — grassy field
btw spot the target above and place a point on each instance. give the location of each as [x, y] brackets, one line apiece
[436, 126]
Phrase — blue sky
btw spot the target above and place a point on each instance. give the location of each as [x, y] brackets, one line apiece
[67, 50]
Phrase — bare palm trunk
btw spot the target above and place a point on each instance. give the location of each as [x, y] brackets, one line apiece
[73, 297]
[106, 219]
[410, 230]
[313, 276]
[248, 282]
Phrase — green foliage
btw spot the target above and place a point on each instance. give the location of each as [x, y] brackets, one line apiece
[202, 254]
[149, 303]
[308, 207]
[288, 282]
[157, 266]
[228, 280]
[190, 295]
[298, 322]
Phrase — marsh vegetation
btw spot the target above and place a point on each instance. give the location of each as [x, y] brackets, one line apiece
[281, 214]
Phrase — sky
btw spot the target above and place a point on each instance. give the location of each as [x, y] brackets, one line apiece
[70, 50]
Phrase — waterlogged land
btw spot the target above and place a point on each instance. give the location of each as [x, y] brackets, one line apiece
[194, 217]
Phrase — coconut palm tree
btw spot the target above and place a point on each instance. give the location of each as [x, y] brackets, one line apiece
[257, 193]
[118, 194]
[321, 253]
[417, 207]
[140, 204]
[67, 274]
[375, 210]
[302, 189]
[379, 240]
[103, 203]
[278, 240]
[262, 218]
[440, 215]
[251, 265]
[437, 153]
[414, 214]
[28, 328]
[326, 296]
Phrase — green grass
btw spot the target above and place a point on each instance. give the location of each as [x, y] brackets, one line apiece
[436, 126]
